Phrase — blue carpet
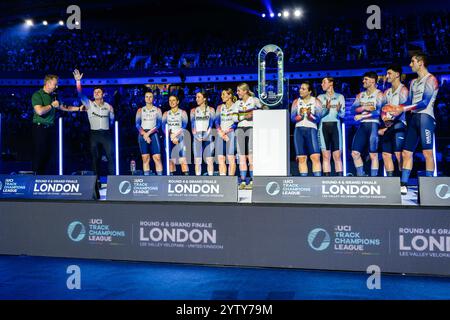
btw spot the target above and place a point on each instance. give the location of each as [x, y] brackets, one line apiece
[45, 278]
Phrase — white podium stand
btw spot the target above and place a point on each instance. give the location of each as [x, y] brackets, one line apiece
[271, 143]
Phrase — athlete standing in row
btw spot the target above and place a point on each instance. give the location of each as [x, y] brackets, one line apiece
[148, 124]
[422, 95]
[245, 106]
[330, 136]
[177, 121]
[202, 121]
[226, 123]
[367, 108]
[305, 113]
[393, 129]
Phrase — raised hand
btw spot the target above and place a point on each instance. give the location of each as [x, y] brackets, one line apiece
[339, 106]
[328, 104]
[76, 75]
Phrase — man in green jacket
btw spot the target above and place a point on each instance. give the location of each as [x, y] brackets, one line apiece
[44, 130]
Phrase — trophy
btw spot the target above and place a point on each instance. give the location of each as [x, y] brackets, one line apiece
[271, 91]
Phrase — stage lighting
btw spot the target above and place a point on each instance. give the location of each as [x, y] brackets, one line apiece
[297, 13]
[272, 15]
[279, 14]
[77, 23]
[263, 15]
[45, 23]
[285, 14]
[61, 23]
[29, 22]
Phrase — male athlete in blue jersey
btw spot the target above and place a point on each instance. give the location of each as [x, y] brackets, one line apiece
[330, 136]
[148, 123]
[176, 120]
[392, 129]
[367, 108]
[422, 95]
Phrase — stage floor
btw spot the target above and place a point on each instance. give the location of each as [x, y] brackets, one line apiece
[23, 277]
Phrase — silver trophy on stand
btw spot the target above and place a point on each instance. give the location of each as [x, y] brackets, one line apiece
[271, 78]
[271, 127]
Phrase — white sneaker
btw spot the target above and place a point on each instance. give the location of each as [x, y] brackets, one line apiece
[404, 190]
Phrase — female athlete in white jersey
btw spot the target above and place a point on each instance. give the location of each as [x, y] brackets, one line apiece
[202, 120]
[148, 124]
[245, 106]
[226, 123]
[176, 120]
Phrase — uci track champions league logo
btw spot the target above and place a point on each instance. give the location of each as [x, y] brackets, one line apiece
[442, 191]
[139, 187]
[273, 188]
[97, 232]
[344, 239]
[125, 187]
[76, 231]
[319, 239]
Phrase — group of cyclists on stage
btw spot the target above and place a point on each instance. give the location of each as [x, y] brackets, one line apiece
[382, 123]
[226, 132]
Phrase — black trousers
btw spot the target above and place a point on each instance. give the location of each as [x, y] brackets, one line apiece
[102, 139]
[44, 146]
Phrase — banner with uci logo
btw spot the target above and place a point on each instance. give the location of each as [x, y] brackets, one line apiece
[434, 191]
[172, 188]
[329, 190]
[400, 240]
[47, 187]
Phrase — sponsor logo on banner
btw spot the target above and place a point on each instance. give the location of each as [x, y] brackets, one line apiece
[175, 234]
[319, 239]
[48, 187]
[273, 188]
[97, 232]
[424, 242]
[15, 186]
[56, 187]
[193, 188]
[434, 191]
[442, 191]
[343, 239]
[351, 189]
[76, 231]
[125, 187]
[162, 188]
[345, 190]
[139, 187]
[288, 188]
